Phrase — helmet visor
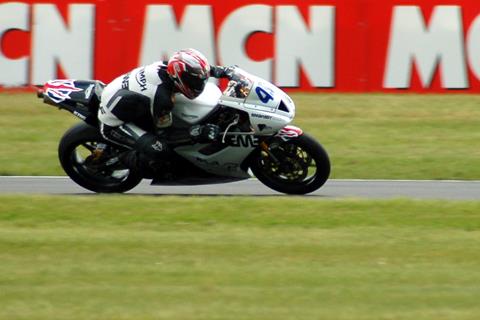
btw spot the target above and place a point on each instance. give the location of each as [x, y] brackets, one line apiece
[194, 82]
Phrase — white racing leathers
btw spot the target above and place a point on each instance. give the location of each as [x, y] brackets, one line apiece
[135, 105]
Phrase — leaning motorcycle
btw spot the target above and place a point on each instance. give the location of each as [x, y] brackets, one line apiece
[256, 138]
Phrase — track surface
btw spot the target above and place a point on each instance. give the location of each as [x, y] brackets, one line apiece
[371, 189]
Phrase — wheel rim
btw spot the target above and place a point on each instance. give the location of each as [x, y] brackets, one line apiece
[96, 161]
[290, 164]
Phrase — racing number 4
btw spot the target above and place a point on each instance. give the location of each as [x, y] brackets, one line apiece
[263, 95]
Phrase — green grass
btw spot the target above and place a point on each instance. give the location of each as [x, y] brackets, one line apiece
[137, 257]
[134, 257]
[396, 136]
[367, 136]
[29, 135]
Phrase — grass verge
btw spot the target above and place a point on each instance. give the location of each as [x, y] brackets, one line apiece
[367, 136]
[138, 257]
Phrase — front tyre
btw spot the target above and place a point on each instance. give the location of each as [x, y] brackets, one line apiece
[297, 166]
[92, 162]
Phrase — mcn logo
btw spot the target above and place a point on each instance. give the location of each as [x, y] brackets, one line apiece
[309, 45]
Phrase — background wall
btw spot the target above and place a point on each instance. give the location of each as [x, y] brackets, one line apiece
[343, 45]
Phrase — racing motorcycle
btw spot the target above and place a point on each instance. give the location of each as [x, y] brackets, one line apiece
[255, 138]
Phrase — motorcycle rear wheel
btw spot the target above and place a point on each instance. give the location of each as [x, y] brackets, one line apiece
[76, 153]
[296, 166]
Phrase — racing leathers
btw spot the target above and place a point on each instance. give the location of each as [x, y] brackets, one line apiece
[137, 104]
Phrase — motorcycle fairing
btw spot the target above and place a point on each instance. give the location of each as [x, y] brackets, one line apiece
[225, 162]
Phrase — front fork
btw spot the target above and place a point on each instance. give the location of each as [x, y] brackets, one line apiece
[283, 135]
[266, 150]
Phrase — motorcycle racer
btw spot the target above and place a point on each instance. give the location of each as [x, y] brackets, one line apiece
[253, 113]
[137, 104]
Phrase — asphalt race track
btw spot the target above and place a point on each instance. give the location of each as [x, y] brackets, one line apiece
[370, 189]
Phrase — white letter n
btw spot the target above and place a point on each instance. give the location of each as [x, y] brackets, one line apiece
[311, 47]
[56, 43]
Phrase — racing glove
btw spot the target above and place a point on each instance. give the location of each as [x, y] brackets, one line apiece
[223, 72]
[204, 133]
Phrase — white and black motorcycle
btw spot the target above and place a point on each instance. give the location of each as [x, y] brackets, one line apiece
[256, 138]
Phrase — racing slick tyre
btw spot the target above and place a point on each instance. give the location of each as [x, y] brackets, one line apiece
[296, 166]
[92, 162]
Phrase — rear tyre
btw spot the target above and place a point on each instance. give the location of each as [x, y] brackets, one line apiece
[92, 162]
[296, 166]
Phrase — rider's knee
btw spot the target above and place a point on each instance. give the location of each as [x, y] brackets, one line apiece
[152, 146]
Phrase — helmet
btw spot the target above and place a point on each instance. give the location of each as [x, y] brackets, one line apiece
[189, 70]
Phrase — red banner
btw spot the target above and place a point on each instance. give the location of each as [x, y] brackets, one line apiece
[342, 45]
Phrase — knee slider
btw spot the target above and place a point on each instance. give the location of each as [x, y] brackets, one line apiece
[151, 146]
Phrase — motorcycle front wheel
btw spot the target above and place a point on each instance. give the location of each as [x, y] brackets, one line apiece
[92, 162]
[297, 166]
